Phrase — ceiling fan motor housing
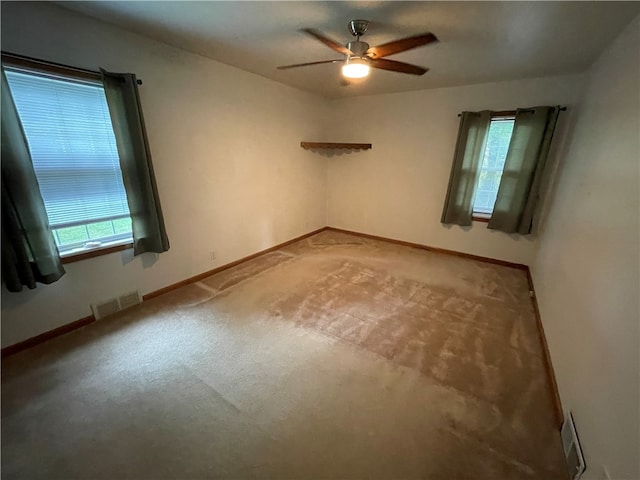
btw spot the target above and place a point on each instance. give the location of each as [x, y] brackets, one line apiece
[358, 48]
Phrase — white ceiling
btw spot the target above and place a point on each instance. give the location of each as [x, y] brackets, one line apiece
[479, 41]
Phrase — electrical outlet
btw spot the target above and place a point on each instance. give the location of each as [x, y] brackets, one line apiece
[605, 473]
[212, 254]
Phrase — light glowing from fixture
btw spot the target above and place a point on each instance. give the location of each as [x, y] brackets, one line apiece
[355, 68]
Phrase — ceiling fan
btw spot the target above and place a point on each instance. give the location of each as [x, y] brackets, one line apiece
[359, 57]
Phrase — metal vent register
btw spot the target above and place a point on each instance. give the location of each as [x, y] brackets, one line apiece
[572, 451]
[109, 307]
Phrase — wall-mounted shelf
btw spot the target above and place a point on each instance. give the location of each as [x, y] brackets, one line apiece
[329, 145]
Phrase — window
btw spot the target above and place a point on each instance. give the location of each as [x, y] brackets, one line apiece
[498, 169]
[68, 129]
[495, 153]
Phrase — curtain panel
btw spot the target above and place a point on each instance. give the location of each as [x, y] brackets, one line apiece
[29, 251]
[467, 159]
[521, 185]
[149, 233]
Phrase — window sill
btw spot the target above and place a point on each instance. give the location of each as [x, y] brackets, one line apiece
[477, 217]
[96, 252]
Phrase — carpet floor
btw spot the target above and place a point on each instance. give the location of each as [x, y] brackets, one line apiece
[334, 357]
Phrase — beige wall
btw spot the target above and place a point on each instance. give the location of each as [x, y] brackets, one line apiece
[231, 174]
[587, 268]
[397, 188]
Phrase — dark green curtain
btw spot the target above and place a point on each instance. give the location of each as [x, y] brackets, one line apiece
[522, 179]
[472, 139]
[149, 233]
[29, 252]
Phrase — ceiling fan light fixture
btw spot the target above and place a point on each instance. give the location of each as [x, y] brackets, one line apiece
[355, 68]
[359, 58]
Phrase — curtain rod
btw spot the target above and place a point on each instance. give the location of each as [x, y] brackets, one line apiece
[24, 61]
[512, 112]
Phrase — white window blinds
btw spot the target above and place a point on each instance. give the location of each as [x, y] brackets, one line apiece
[72, 146]
[495, 154]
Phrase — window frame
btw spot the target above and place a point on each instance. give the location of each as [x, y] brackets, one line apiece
[72, 73]
[500, 115]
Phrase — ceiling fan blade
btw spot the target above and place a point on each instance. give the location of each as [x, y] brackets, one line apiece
[327, 41]
[401, 45]
[284, 67]
[384, 64]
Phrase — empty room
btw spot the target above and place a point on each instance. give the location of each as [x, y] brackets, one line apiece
[328, 240]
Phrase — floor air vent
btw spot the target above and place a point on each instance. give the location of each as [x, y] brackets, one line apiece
[109, 307]
[572, 450]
